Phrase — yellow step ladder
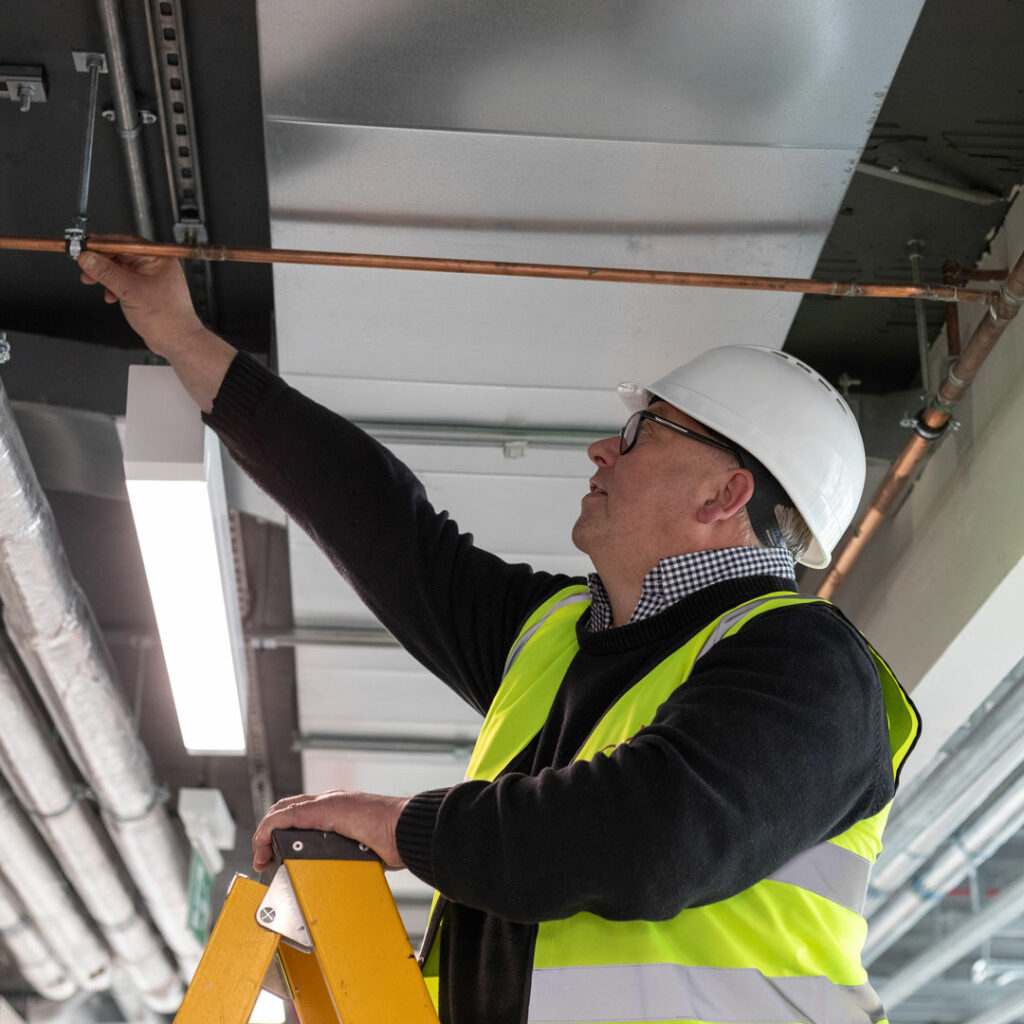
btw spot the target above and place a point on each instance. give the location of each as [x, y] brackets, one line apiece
[325, 934]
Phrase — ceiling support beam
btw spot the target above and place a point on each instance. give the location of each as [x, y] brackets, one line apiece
[322, 636]
[894, 174]
[452, 746]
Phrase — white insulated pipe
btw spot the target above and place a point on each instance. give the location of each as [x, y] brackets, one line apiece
[52, 628]
[1009, 1010]
[43, 785]
[29, 870]
[1006, 907]
[950, 795]
[1001, 820]
[31, 954]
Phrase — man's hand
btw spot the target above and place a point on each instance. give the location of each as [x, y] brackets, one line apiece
[364, 817]
[153, 294]
[155, 300]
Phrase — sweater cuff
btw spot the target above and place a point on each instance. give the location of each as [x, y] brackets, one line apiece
[414, 834]
[241, 393]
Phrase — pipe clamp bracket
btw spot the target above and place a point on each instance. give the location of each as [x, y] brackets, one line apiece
[75, 242]
[929, 433]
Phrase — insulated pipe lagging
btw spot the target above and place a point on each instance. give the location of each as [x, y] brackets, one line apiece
[31, 954]
[40, 779]
[975, 844]
[60, 645]
[922, 820]
[29, 868]
[998, 913]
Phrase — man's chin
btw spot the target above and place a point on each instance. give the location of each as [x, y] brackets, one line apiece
[580, 536]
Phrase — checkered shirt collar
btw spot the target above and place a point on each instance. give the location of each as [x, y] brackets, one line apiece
[677, 577]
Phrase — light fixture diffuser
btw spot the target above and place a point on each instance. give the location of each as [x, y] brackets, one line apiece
[176, 488]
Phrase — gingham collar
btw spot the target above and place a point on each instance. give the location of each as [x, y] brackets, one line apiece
[677, 577]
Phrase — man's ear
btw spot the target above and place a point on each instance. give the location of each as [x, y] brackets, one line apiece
[736, 490]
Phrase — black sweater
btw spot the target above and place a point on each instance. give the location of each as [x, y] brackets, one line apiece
[776, 742]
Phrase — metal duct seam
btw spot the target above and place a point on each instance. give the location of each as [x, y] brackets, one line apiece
[45, 789]
[34, 958]
[29, 869]
[53, 630]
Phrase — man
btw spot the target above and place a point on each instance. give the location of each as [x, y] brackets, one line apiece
[684, 768]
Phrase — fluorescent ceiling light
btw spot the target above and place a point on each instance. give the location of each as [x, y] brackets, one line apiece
[176, 488]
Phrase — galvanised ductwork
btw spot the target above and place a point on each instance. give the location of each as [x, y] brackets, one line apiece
[33, 957]
[43, 784]
[52, 628]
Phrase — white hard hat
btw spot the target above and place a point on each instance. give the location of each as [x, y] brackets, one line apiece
[788, 417]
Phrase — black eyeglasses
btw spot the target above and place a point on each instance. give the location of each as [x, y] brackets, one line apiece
[631, 431]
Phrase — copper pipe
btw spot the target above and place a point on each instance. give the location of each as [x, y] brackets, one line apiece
[958, 272]
[942, 293]
[931, 422]
[949, 269]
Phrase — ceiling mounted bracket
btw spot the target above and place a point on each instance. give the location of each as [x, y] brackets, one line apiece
[84, 59]
[23, 84]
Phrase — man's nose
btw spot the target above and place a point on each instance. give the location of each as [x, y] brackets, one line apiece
[604, 452]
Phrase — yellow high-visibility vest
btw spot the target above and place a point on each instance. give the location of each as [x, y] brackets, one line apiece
[784, 951]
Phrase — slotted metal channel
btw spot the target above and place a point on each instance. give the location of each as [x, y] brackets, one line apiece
[170, 71]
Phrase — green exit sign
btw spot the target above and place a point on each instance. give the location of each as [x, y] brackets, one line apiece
[200, 888]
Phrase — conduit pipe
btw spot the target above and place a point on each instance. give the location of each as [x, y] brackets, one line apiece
[999, 822]
[932, 422]
[32, 956]
[29, 869]
[1006, 1012]
[951, 793]
[129, 125]
[1006, 907]
[60, 645]
[627, 275]
[44, 787]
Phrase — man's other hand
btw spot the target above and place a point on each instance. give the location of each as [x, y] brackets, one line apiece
[152, 292]
[364, 817]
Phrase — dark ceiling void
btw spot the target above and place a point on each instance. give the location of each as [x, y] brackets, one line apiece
[954, 116]
[41, 151]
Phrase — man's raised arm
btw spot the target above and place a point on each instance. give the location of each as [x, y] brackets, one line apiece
[155, 300]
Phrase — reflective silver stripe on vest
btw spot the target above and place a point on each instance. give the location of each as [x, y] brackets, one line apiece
[665, 992]
[727, 621]
[829, 871]
[517, 647]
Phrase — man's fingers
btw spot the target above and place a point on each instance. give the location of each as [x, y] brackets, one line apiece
[103, 271]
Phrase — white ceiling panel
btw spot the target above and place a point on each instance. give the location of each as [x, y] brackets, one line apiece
[678, 70]
[486, 404]
[376, 692]
[391, 773]
[321, 597]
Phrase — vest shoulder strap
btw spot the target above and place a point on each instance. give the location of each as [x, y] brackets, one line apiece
[576, 594]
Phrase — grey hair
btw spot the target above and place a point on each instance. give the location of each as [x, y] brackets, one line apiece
[795, 531]
[796, 534]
